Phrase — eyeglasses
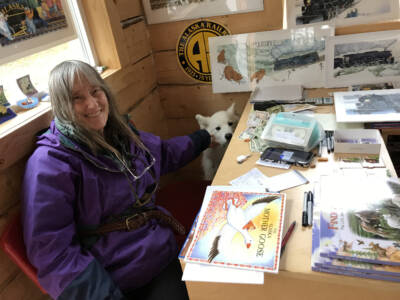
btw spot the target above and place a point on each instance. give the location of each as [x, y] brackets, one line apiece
[146, 169]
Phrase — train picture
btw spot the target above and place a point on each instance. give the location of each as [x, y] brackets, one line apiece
[296, 61]
[341, 12]
[366, 58]
[322, 9]
[369, 58]
[368, 106]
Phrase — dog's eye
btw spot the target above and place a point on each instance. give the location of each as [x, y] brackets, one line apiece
[218, 128]
[230, 123]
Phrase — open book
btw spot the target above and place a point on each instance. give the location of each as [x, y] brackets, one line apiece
[239, 228]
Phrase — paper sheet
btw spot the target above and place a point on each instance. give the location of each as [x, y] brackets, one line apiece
[198, 272]
[252, 178]
[285, 181]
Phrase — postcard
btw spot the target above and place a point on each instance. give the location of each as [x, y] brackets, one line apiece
[160, 11]
[244, 62]
[340, 13]
[366, 58]
[368, 106]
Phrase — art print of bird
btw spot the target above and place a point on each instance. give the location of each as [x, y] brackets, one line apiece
[238, 220]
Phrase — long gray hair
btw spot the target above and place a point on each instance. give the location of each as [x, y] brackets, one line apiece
[61, 82]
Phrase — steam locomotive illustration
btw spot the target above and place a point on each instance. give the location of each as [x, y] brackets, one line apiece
[322, 9]
[375, 104]
[369, 58]
[296, 61]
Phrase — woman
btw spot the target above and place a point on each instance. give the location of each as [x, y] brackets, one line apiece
[91, 177]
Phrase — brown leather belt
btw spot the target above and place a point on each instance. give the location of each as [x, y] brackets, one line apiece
[136, 221]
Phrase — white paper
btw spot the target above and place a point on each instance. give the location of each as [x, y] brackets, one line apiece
[199, 272]
[285, 181]
[252, 178]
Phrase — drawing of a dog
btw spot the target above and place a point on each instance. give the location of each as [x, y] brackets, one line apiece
[221, 126]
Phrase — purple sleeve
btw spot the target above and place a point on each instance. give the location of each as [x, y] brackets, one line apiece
[174, 153]
[49, 193]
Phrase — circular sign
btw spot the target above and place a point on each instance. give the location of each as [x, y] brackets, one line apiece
[192, 48]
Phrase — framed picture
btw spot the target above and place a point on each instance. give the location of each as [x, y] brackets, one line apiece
[271, 58]
[26, 86]
[340, 12]
[160, 11]
[28, 26]
[372, 57]
[368, 106]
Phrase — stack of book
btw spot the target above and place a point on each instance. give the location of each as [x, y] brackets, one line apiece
[356, 227]
[237, 228]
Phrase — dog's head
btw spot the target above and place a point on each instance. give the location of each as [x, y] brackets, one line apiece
[220, 125]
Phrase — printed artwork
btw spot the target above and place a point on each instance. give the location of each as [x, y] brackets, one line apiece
[368, 106]
[239, 230]
[25, 19]
[341, 12]
[26, 86]
[271, 58]
[160, 11]
[363, 58]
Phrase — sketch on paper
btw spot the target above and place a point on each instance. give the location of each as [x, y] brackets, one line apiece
[341, 12]
[271, 58]
[368, 106]
[160, 11]
[363, 59]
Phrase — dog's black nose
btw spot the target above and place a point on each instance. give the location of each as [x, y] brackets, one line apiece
[228, 136]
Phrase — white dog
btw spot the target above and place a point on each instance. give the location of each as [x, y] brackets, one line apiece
[220, 126]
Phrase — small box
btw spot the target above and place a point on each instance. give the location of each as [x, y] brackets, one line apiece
[363, 141]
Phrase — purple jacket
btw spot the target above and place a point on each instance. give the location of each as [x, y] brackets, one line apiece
[66, 187]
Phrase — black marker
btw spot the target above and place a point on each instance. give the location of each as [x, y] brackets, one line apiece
[310, 204]
[304, 220]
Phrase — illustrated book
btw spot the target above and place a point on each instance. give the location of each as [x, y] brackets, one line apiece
[355, 227]
[239, 228]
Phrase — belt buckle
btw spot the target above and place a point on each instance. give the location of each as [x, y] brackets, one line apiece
[130, 218]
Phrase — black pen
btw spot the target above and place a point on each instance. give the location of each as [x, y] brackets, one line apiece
[332, 141]
[310, 204]
[327, 139]
[304, 219]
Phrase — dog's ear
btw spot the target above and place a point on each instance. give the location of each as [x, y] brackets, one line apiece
[203, 121]
[231, 109]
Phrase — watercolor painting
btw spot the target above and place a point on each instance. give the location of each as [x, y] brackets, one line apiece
[363, 58]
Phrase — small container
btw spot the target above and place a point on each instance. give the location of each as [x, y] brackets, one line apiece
[363, 141]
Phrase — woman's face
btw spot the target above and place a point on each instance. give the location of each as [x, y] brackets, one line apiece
[90, 105]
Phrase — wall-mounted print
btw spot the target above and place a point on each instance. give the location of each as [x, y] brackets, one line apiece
[161, 11]
[271, 58]
[368, 106]
[26, 25]
[366, 58]
[340, 12]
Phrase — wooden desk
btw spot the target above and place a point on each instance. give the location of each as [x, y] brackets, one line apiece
[295, 279]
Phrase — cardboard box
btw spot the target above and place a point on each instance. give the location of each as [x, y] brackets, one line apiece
[363, 141]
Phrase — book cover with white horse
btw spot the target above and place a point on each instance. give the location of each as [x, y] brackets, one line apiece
[239, 229]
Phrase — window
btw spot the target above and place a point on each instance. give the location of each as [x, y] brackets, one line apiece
[38, 62]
